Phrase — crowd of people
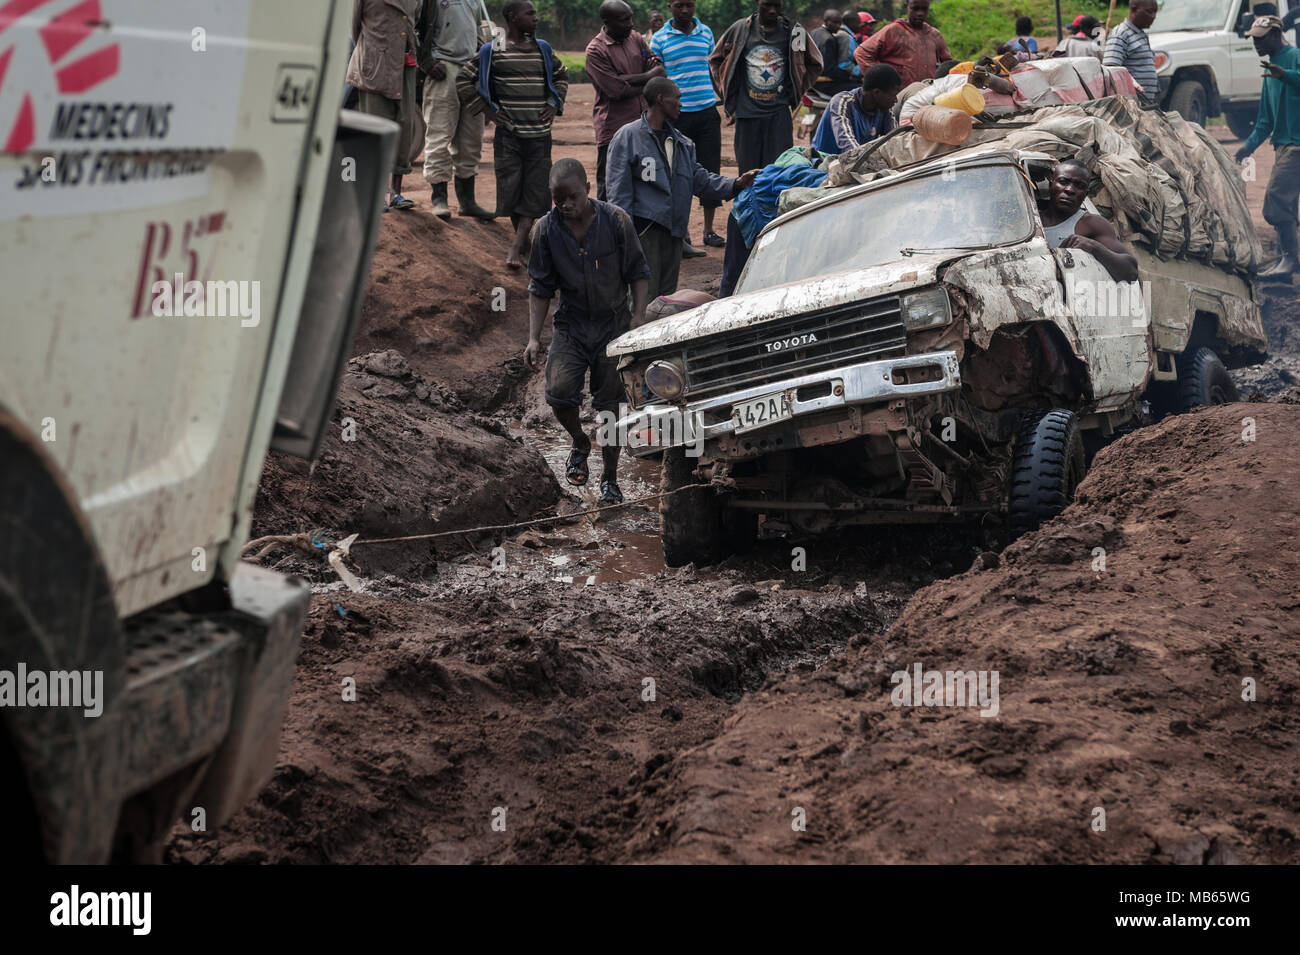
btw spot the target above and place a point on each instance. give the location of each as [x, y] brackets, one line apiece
[658, 132]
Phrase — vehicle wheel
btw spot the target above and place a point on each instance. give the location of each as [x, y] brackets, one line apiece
[56, 611]
[691, 522]
[1188, 100]
[1047, 467]
[1240, 121]
[22, 820]
[1203, 380]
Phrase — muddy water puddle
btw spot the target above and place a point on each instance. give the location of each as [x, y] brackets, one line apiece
[612, 547]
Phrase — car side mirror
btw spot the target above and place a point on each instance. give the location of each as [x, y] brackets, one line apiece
[338, 276]
[1243, 24]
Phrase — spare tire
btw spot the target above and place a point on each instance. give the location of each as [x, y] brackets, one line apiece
[1204, 380]
[1047, 466]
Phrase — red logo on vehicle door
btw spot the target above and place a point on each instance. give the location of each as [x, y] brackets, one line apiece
[67, 58]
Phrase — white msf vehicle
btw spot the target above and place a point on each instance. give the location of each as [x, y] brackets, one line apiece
[1205, 63]
[185, 235]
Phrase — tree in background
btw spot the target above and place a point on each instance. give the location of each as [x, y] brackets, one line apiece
[572, 23]
[971, 27]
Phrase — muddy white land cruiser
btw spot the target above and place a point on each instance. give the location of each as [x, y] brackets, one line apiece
[912, 350]
[144, 670]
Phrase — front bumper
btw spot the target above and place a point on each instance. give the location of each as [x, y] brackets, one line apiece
[655, 427]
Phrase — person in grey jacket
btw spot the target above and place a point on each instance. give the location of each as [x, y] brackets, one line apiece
[652, 175]
[383, 71]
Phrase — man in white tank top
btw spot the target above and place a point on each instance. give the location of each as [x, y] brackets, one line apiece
[1068, 225]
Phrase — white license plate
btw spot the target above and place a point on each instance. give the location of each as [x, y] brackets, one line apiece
[760, 412]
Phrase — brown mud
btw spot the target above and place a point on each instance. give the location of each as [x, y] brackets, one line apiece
[1121, 689]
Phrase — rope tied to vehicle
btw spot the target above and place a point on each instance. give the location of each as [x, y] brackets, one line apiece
[533, 521]
[309, 543]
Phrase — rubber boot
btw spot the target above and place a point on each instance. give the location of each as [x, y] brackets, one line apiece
[440, 207]
[465, 196]
[1284, 270]
[1287, 266]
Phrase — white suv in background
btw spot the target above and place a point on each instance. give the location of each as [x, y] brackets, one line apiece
[1206, 64]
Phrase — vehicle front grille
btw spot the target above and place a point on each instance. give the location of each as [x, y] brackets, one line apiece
[849, 334]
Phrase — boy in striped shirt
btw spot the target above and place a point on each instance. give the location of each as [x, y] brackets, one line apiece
[684, 45]
[522, 84]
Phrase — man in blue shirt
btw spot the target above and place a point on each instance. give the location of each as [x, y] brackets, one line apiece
[858, 116]
[653, 172]
[1279, 120]
[684, 45]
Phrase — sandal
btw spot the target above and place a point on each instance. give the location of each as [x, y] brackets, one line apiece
[714, 240]
[609, 494]
[400, 201]
[575, 468]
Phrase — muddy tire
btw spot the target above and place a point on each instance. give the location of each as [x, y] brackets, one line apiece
[691, 522]
[56, 612]
[1203, 380]
[1047, 468]
[1188, 100]
[1240, 121]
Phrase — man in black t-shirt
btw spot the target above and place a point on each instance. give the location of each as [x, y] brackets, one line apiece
[761, 68]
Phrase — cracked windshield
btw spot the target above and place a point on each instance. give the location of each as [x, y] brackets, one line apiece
[978, 206]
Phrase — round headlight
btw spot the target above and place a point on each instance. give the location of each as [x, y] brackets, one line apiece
[666, 380]
[927, 308]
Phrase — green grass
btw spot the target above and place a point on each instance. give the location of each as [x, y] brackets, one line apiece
[576, 64]
[974, 29]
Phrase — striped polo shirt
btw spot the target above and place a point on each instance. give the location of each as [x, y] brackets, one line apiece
[686, 60]
[1128, 46]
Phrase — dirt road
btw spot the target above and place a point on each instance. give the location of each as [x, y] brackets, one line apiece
[565, 698]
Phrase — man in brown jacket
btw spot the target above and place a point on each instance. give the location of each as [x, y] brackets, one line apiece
[761, 68]
[383, 69]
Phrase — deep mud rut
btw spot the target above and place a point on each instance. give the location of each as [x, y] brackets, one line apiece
[558, 687]
[567, 698]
